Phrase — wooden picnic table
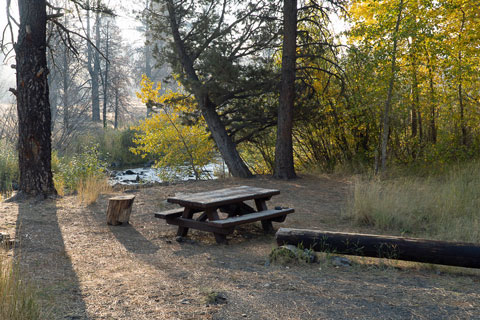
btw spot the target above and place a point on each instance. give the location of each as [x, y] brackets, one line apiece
[200, 210]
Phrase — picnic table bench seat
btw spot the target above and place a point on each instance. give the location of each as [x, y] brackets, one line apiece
[169, 214]
[252, 217]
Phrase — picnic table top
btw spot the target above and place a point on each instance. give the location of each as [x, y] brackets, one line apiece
[216, 198]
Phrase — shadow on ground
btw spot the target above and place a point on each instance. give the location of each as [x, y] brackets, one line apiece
[42, 255]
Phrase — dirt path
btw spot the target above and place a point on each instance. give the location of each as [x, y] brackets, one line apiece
[88, 270]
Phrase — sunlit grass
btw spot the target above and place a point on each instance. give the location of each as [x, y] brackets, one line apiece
[17, 298]
[441, 207]
[90, 188]
[8, 169]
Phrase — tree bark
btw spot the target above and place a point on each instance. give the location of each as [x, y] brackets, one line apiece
[461, 104]
[224, 142]
[94, 70]
[148, 52]
[105, 79]
[415, 91]
[33, 106]
[411, 249]
[433, 128]
[115, 123]
[284, 166]
[66, 115]
[388, 102]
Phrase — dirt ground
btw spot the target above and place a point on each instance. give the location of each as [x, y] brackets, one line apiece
[85, 269]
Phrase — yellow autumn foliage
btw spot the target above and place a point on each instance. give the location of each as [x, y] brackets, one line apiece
[181, 148]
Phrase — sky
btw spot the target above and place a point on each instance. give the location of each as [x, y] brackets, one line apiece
[7, 74]
[125, 20]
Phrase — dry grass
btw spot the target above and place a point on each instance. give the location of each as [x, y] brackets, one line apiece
[17, 299]
[442, 207]
[59, 185]
[90, 188]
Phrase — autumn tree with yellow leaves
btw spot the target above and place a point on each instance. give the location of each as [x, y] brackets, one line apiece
[180, 148]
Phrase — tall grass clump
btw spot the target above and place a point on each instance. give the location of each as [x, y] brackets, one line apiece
[442, 207]
[90, 188]
[17, 298]
[82, 173]
[9, 171]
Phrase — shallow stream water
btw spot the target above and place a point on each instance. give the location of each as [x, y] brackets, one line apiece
[139, 176]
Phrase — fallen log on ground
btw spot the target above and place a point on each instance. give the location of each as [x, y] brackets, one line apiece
[458, 254]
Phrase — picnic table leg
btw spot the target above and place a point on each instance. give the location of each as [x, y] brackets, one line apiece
[188, 214]
[267, 226]
[212, 215]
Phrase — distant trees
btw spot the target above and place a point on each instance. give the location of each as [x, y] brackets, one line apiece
[32, 92]
[405, 89]
[435, 67]
[93, 62]
[116, 74]
[218, 50]
[73, 89]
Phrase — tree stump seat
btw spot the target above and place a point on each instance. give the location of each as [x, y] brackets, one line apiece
[119, 209]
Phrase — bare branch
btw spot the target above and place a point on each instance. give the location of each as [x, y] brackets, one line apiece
[73, 49]
[54, 16]
[53, 7]
[9, 27]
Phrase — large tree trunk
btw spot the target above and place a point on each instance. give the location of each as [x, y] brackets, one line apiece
[284, 167]
[34, 117]
[388, 102]
[224, 142]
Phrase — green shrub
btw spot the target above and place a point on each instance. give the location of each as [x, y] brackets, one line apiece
[290, 254]
[71, 172]
[114, 147]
